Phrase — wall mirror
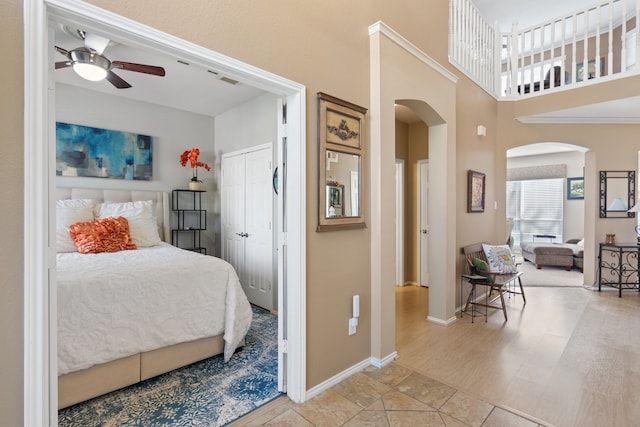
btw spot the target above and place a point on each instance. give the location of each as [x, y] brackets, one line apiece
[340, 164]
[617, 193]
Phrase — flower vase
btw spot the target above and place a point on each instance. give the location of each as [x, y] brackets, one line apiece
[195, 185]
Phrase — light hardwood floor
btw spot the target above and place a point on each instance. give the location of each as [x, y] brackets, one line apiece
[570, 357]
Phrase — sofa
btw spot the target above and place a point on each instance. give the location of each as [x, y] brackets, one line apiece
[568, 255]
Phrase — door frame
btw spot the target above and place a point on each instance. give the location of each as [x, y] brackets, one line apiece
[400, 193]
[421, 164]
[40, 367]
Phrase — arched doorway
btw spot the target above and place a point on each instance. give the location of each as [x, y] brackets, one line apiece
[412, 79]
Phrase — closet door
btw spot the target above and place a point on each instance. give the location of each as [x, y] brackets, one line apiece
[247, 214]
[232, 215]
[258, 226]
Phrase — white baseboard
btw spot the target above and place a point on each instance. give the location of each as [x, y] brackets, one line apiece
[378, 363]
[441, 322]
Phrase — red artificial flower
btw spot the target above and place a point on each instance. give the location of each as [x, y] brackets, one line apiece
[191, 157]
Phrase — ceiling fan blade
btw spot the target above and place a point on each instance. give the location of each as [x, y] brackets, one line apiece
[115, 80]
[63, 64]
[63, 51]
[139, 68]
[95, 42]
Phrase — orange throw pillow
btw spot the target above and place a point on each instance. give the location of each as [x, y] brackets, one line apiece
[102, 235]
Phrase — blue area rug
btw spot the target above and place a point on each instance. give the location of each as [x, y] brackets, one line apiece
[207, 393]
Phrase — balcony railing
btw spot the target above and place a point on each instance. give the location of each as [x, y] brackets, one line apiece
[599, 42]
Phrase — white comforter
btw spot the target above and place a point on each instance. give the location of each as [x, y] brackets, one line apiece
[112, 305]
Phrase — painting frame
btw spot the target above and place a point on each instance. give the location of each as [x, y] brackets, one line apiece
[575, 188]
[476, 185]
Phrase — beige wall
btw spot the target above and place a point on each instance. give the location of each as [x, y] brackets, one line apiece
[11, 177]
[11, 170]
[328, 51]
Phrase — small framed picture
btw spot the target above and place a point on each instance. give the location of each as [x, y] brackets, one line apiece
[575, 188]
[475, 191]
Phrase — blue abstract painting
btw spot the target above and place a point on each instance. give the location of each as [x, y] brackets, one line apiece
[84, 151]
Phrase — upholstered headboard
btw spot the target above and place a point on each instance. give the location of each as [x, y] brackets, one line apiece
[161, 204]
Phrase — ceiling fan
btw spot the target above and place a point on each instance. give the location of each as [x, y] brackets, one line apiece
[89, 63]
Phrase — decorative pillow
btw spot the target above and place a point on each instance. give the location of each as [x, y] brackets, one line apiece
[142, 226]
[500, 259]
[70, 211]
[482, 268]
[102, 235]
[581, 243]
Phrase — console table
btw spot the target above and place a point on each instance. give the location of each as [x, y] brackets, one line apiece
[619, 266]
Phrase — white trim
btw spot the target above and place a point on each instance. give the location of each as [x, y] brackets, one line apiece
[379, 363]
[268, 145]
[391, 34]
[400, 212]
[579, 120]
[338, 378]
[441, 322]
[36, 230]
[40, 406]
[327, 384]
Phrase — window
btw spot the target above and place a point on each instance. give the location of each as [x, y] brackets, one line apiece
[536, 208]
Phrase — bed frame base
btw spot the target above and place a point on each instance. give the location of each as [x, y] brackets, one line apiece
[76, 387]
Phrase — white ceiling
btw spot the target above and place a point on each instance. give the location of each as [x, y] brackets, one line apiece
[186, 87]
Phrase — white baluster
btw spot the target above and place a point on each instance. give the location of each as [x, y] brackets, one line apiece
[623, 58]
[597, 58]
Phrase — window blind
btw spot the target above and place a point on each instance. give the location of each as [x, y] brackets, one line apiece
[537, 208]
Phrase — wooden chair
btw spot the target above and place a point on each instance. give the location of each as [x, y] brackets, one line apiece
[493, 282]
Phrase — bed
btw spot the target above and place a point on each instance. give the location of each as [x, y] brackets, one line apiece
[129, 315]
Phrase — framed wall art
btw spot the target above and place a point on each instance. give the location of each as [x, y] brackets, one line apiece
[575, 188]
[475, 191]
[85, 151]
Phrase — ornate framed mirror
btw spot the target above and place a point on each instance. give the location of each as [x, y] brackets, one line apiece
[617, 193]
[340, 164]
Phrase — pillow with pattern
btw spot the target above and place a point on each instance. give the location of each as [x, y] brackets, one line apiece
[499, 258]
[102, 235]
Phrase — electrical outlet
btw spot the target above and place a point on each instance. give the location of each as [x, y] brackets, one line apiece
[353, 323]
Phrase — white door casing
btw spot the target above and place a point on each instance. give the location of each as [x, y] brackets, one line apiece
[40, 379]
[247, 220]
[400, 222]
[423, 222]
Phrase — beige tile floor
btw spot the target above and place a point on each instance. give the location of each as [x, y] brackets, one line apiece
[570, 357]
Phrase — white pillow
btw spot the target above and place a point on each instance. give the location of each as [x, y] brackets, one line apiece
[68, 212]
[142, 225]
[500, 259]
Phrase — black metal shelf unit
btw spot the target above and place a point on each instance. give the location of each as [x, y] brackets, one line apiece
[191, 220]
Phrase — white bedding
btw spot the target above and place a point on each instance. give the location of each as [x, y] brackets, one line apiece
[112, 305]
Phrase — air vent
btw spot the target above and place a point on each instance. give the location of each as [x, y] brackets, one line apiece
[230, 81]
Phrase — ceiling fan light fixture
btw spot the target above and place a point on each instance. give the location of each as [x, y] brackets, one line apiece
[90, 72]
[89, 65]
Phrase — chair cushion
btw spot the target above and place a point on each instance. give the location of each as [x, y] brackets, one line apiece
[500, 259]
[482, 268]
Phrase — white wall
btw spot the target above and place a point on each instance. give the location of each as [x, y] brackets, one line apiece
[173, 132]
[250, 124]
[573, 225]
